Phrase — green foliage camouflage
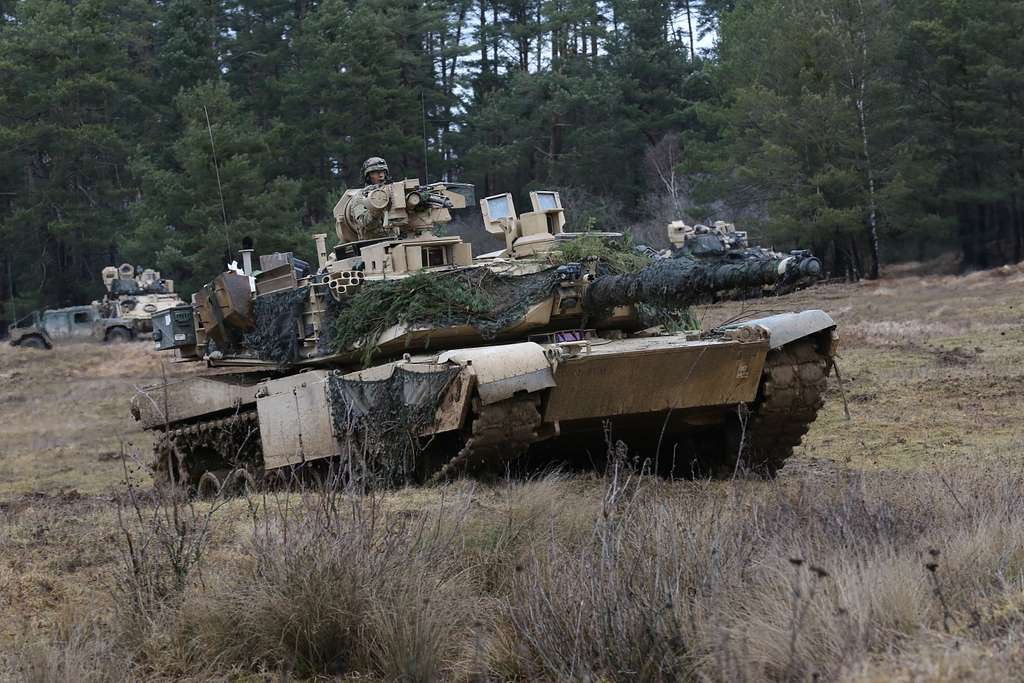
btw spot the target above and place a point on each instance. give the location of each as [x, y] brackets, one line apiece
[614, 255]
[487, 301]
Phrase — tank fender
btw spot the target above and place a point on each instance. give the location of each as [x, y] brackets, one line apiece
[503, 371]
[788, 327]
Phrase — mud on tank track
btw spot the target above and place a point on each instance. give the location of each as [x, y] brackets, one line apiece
[792, 392]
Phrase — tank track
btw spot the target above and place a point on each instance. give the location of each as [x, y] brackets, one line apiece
[221, 445]
[501, 432]
[795, 378]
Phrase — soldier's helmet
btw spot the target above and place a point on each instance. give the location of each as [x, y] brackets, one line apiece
[374, 164]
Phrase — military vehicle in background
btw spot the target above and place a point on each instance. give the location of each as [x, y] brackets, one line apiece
[133, 296]
[137, 294]
[402, 358]
[702, 240]
[43, 330]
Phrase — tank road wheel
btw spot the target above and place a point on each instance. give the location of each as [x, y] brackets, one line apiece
[118, 335]
[169, 470]
[241, 480]
[279, 479]
[209, 486]
[229, 449]
[792, 391]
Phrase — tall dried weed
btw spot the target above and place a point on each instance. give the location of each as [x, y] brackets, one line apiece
[624, 577]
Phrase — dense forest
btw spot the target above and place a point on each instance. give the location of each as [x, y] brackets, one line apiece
[164, 132]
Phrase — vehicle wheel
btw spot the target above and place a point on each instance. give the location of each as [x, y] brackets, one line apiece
[118, 335]
[32, 343]
[209, 486]
[241, 481]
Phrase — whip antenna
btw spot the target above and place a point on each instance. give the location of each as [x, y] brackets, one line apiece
[220, 190]
[423, 113]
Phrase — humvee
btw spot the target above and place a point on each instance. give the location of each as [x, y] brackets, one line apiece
[42, 330]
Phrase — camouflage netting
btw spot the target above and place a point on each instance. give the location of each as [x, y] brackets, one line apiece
[679, 282]
[275, 336]
[332, 309]
[488, 301]
[382, 421]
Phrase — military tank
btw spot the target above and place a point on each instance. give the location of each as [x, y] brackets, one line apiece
[136, 294]
[400, 357]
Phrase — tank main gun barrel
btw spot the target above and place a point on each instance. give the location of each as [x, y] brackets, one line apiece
[682, 281]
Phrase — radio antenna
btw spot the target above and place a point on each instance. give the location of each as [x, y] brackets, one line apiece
[220, 190]
[423, 112]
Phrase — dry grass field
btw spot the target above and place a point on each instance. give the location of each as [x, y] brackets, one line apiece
[891, 548]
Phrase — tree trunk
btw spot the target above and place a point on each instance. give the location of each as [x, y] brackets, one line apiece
[966, 237]
[982, 232]
[858, 268]
[689, 29]
[863, 118]
[484, 64]
[497, 38]
[1018, 228]
[448, 66]
[540, 42]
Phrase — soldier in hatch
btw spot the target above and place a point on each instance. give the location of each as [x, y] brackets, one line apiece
[375, 171]
[369, 221]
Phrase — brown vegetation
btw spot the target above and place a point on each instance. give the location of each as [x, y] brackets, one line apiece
[851, 575]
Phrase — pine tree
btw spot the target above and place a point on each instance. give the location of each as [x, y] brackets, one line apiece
[219, 192]
[963, 65]
[74, 102]
[807, 138]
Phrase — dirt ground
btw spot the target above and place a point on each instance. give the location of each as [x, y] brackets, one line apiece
[64, 415]
[932, 372]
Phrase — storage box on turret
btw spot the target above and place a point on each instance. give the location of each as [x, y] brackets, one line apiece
[175, 329]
